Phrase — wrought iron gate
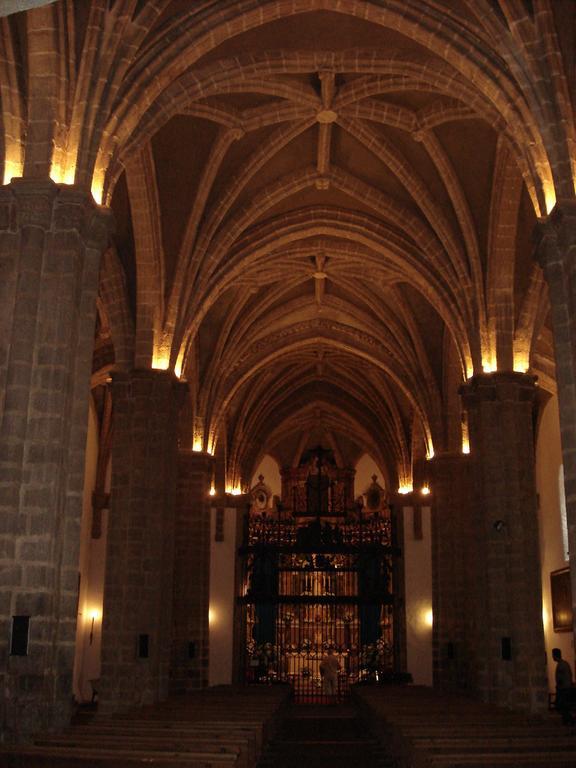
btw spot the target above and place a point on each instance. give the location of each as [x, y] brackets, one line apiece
[308, 587]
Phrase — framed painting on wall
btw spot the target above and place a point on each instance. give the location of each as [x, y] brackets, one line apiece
[561, 600]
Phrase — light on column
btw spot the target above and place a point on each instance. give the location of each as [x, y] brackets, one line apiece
[160, 360]
[94, 616]
[13, 164]
[465, 436]
[549, 196]
[97, 188]
[521, 361]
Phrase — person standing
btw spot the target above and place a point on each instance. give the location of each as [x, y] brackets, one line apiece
[563, 687]
[329, 668]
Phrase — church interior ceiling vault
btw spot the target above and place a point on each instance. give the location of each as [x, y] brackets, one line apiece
[324, 211]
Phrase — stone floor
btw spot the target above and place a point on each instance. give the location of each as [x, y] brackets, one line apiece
[328, 736]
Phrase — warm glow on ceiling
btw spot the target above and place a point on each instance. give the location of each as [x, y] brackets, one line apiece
[98, 187]
[178, 366]
[521, 362]
[12, 169]
[60, 173]
[160, 360]
[549, 196]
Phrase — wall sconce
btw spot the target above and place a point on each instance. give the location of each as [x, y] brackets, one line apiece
[94, 616]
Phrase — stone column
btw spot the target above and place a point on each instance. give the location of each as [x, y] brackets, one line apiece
[191, 573]
[450, 479]
[556, 253]
[504, 591]
[51, 240]
[136, 628]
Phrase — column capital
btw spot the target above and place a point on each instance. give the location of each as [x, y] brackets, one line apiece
[196, 460]
[499, 386]
[448, 459]
[556, 233]
[27, 202]
[50, 206]
[150, 375]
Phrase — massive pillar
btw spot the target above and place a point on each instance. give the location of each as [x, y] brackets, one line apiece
[504, 588]
[451, 540]
[191, 573]
[137, 616]
[556, 252]
[51, 240]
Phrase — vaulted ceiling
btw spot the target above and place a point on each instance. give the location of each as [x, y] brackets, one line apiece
[325, 209]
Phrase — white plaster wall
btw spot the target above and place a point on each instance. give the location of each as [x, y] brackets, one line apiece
[91, 569]
[418, 584]
[222, 598]
[271, 471]
[365, 468]
[548, 461]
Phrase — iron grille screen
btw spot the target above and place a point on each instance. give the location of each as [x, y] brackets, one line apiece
[312, 591]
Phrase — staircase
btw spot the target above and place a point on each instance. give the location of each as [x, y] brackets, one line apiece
[328, 736]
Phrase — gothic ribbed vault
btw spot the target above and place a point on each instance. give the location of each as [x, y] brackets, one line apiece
[323, 210]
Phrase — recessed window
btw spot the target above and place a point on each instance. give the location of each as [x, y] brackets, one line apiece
[20, 634]
[143, 646]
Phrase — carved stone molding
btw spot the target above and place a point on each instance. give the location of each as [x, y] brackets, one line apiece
[556, 234]
[57, 207]
[501, 385]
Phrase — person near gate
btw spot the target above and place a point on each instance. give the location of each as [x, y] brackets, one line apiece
[329, 668]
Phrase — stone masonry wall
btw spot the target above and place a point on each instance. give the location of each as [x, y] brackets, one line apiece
[191, 574]
[505, 582]
[51, 240]
[451, 510]
[140, 557]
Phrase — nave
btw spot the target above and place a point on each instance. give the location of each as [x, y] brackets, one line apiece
[318, 736]
[382, 726]
[254, 253]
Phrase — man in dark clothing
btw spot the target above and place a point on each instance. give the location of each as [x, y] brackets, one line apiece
[563, 687]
